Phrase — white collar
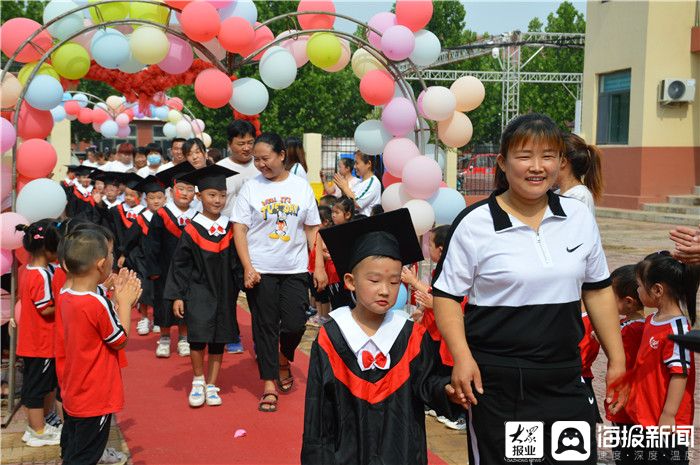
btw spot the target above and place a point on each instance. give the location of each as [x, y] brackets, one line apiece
[206, 223]
[69, 181]
[177, 213]
[357, 339]
[148, 214]
[83, 190]
[110, 204]
[135, 209]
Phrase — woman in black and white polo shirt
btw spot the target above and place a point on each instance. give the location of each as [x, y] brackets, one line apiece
[523, 257]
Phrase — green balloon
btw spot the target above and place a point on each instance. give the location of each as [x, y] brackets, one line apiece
[108, 11]
[323, 49]
[148, 12]
[26, 70]
[71, 61]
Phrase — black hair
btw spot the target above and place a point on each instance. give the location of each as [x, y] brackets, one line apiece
[34, 236]
[440, 235]
[376, 210]
[358, 216]
[215, 155]
[348, 162]
[585, 163]
[239, 128]
[295, 153]
[177, 139]
[154, 148]
[81, 248]
[680, 280]
[189, 143]
[325, 214]
[329, 199]
[624, 283]
[53, 236]
[534, 126]
[377, 168]
[274, 140]
[90, 226]
[346, 205]
[141, 151]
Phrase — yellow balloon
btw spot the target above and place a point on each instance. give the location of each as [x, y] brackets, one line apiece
[149, 45]
[174, 116]
[71, 61]
[10, 90]
[363, 62]
[108, 11]
[324, 49]
[148, 12]
[26, 70]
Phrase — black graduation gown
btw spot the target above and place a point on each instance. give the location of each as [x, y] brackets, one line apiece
[159, 246]
[202, 274]
[81, 206]
[120, 224]
[374, 417]
[133, 249]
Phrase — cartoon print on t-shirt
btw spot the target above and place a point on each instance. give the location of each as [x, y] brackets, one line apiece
[281, 209]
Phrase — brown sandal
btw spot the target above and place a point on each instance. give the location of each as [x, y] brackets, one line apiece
[268, 405]
[285, 385]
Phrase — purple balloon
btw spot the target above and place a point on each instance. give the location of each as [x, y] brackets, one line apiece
[381, 22]
[123, 131]
[399, 116]
[397, 152]
[8, 135]
[179, 58]
[398, 42]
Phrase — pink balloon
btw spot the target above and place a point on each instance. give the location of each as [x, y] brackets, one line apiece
[175, 103]
[219, 4]
[296, 46]
[263, 36]
[99, 116]
[421, 177]
[213, 88]
[179, 57]
[316, 21]
[10, 238]
[123, 131]
[377, 87]
[96, 126]
[6, 260]
[15, 31]
[18, 310]
[381, 22]
[414, 14]
[398, 42]
[85, 115]
[419, 103]
[8, 135]
[236, 34]
[215, 48]
[425, 245]
[397, 153]
[33, 123]
[443, 184]
[122, 119]
[399, 116]
[200, 21]
[36, 158]
[5, 179]
[388, 179]
[85, 39]
[72, 107]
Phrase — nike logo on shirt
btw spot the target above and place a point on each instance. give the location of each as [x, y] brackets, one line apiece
[571, 250]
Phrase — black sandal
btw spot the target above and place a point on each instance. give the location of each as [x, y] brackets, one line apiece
[285, 385]
[271, 405]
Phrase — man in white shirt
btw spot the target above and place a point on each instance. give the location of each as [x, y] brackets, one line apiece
[124, 160]
[241, 136]
[154, 160]
[175, 153]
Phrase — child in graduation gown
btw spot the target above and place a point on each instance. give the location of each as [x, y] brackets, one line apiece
[133, 250]
[159, 246]
[124, 214]
[81, 203]
[201, 282]
[372, 369]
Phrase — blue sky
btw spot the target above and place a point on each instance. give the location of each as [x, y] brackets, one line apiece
[492, 16]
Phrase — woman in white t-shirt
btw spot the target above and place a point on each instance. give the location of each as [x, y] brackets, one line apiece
[295, 162]
[580, 175]
[275, 222]
[368, 192]
[345, 167]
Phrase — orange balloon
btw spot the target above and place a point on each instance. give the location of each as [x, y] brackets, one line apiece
[455, 131]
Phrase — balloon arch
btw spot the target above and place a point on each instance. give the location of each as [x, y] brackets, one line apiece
[158, 55]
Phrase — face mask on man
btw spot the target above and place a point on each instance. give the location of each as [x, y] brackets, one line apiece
[153, 159]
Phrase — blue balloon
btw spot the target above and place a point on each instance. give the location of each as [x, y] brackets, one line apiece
[447, 203]
[109, 48]
[109, 128]
[161, 112]
[44, 92]
[401, 299]
[67, 96]
[81, 99]
[244, 8]
[58, 113]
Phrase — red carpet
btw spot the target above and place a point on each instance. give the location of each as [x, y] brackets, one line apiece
[161, 428]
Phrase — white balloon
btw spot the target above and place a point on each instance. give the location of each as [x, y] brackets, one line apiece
[41, 198]
[244, 8]
[278, 69]
[67, 26]
[131, 66]
[422, 215]
[198, 125]
[439, 103]
[249, 97]
[206, 138]
[427, 48]
[169, 130]
[44, 92]
[394, 197]
[183, 129]
[174, 116]
[109, 128]
[371, 137]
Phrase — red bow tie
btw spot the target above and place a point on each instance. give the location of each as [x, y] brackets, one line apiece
[183, 221]
[131, 215]
[216, 228]
[368, 359]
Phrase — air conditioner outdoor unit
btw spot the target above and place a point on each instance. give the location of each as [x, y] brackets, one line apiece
[677, 91]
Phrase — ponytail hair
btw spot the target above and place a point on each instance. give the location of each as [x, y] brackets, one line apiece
[679, 280]
[374, 160]
[347, 205]
[34, 240]
[585, 163]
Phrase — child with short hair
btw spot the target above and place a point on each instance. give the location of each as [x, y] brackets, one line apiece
[624, 284]
[663, 380]
[343, 212]
[319, 297]
[371, 369]
[202, 282]
[327, 201]
[89, 336]
[35, 335]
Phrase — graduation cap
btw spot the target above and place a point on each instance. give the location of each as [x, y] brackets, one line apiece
[82, 170]
[171, 175]
[150, 184]
[71, 168]
[210, 177]
[131, 180]
[110, 178]
[689, 340]
[387, 235]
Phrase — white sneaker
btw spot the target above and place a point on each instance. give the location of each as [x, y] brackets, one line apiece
[213, 395]
[442, 419]
[50, 437]
[163, 349]
[459, 424]
[143, 327]
[156, 329]
[112, 457]
[183, 348]
[431, 413]
[27, 434]
[196, 398]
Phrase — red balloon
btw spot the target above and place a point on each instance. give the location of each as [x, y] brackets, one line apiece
[213, 88]
[175, 103]
[377, 87]
[72, 107]
[236, 34]
[21, 182]
[414, 14]
[99, 115]
[263, 36]
[85, 116]
[316, 21]
[179, 4]
[36, 158]
[33, 123]
[200, 21]
[15, 31]
[128, 112]
[388, 179]
[443, 184]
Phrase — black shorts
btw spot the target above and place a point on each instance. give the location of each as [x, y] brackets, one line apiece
[83, 440]
[591, 393]
[39, 379]
[322, 296]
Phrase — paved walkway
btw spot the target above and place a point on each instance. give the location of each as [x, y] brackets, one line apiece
[625, 242]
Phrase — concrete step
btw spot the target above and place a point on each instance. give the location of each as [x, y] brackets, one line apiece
[648, 216]
[684, 199]
[672, 208]
[696, 191]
